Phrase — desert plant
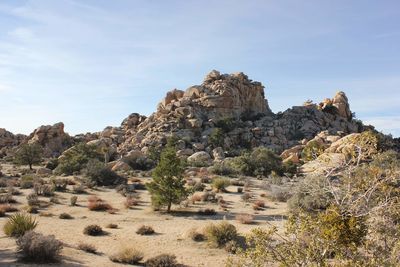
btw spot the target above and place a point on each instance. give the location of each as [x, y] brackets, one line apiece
[78, 189]
[223, 169]
[232, 247]
[219, 234]
[98, 173]
[76, 158]
[168, 185]
[112, 226]
[312, 150]
[18, 224]
[220, 184]
[131, 201]
[280, 194]
[73, 200]
[259, 204]
[246, 197]
[33, 199]
[195, 235]
[127, 255]
[59, 184]
[207, 212]
[7, 198]
[164, 260]
[29, 154]
[43, 190]
[261, 161]
[65, 216]
[245, 218]
[93, 230]
[145, 230]
[38, 248]
[97, 204]
[89, 248]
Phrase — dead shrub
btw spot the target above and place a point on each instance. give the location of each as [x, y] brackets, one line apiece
[97, 204]
[145, 230]
[245, 218]
[127, 255]
[89, 248]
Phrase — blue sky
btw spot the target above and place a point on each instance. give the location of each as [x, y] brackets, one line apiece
[90, 63]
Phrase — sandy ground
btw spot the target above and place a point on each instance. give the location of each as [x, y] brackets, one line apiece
[171, 229]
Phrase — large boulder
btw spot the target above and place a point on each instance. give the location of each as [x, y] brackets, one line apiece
[52, 138]
[199, 157]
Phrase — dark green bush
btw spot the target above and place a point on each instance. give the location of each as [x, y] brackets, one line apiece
[99, 174]
[261, 161]
[219, 234]
[76, 158]
[18, 224]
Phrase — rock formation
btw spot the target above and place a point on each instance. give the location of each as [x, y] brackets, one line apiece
[52, 138]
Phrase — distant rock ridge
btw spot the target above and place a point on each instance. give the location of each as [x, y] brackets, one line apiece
[230, 103]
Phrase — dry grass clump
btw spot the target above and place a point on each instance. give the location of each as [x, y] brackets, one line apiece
[78, 189]
[195, 235]
[232, 247]
[32, 209]
[219, 234]
[163, 260]
[259, 205]
[65, 216]
[35, 247]
[43, 190]
[207, 212]
[279, 194]
[145, 230]
[93, 230]
[8, 208]
[97, 204]
[245, 218]
[220, 184]
[89, 248]
[127, 255]
[18, 224]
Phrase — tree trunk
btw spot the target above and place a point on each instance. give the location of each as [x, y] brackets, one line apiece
[30, 166]
[169, 207]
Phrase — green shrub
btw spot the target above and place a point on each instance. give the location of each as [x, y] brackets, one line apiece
[216, 138]
[127, 255]
[220, 184]
[52, 163]
[35, 247]
[312, 150]
[261, 161]
[18, 224]
[163, 260]
[223, 169]
[219, 234]
[76, 158]
[99, 174]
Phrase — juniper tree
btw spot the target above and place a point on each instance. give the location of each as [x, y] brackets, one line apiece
[168, 185]
[29, 154]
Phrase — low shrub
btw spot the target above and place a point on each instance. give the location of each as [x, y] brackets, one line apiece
[220, 184]
[6, 199]
[33, 199]
[8, 208]
[196, 198]
[127, 255]
[78, 189]
[259, 204]
[32, 209]
[245, 218]
[97, 204]
[93, 230]
[208, 197]
[73, 200]
[130, 202]
[35, 247]
[18, 224]
[163, 260]
[195, 235]
[43, 190]
[280, 194]
[60, 185]
[89, 248]
[222, 169]
[13, 191]
[65, 216]
[207, 212]
[145, 230]
[219, 234]
[112, 226]
[232, 247]
[246, 197]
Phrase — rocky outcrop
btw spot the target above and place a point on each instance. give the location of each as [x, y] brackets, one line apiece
[236, 105]
[9, 140]
[52, 138]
